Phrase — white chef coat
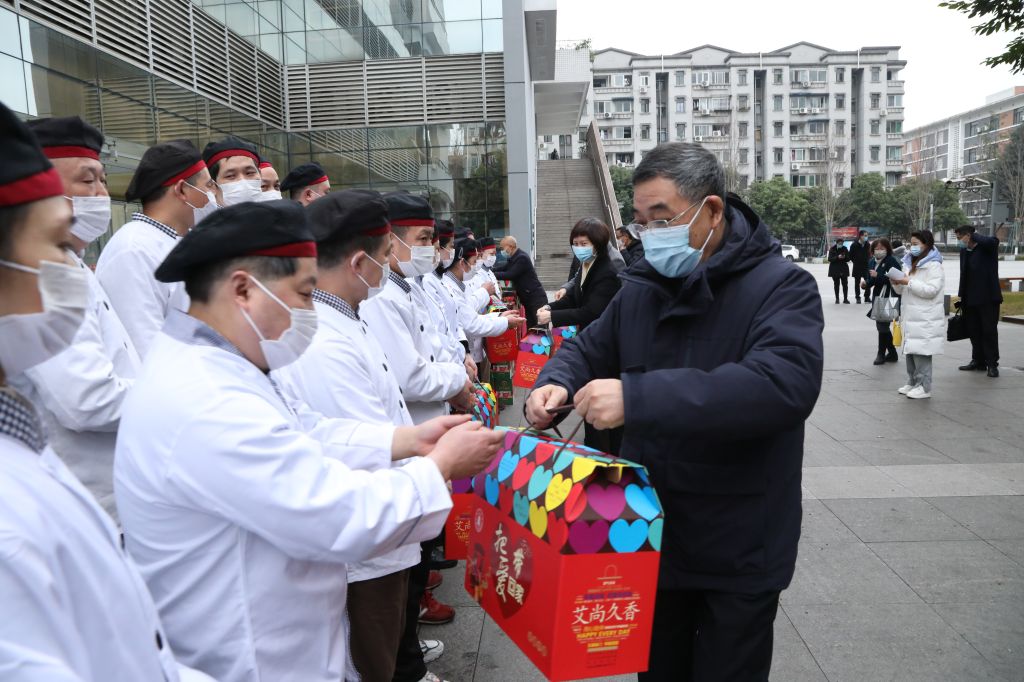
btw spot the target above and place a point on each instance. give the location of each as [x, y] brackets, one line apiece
[446, 328]
[475, 325]
[440, 293]
[399, 320]
[344, 373]
[78, 393]
[239, 509]
[125, 269]
[74, 605]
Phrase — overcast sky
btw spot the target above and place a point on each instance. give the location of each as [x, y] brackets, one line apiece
[944, 75]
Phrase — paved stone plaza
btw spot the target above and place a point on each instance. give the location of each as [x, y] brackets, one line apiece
[911, 562]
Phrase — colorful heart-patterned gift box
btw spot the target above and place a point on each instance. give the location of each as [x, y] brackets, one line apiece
[534, 352]
[560, 335]
[564, 547]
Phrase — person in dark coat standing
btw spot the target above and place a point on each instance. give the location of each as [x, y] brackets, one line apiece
[839, 268]
[519, 269]
[877, 284]
[710, 357]
[630, 246]
[980, 297]
[587, 295]
[859, 254]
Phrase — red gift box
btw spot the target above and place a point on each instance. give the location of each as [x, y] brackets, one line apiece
[503, 347]
[456, 526]
[534, 352]
[563, 554]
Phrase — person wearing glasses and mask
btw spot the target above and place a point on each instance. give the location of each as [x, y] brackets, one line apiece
[306, 183]
[710, 358]
[233, 165]
[176, 191]
[79, 391]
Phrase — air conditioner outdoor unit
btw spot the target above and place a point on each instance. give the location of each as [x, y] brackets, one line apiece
[716, 133]
[805, 84]
[794, 166]
[805, 110]
[698, 138]
[643, 89]
[816, 110]
[833, 155]
[883, 112]
[606, 114]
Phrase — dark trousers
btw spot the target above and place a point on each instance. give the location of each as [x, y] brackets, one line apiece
[703, 636]
[983, 326]
[857, 279]
[410, 666]
[846, 282]
[884, 336]
[377, 614]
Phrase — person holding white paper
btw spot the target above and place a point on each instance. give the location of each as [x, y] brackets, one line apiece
[922, 316]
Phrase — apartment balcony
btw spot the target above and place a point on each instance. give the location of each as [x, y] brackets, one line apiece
[894, 110]
[617, 142]
[808, 85]
[612, 115]
[712, 138]
[895, 84]
[712, 113]
[613, 90]
[806, 111]
[894, 136]
[806, 137]
[894, 162]
[711, 86]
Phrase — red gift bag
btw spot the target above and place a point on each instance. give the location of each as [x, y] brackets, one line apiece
[502, 348]
[534, 352]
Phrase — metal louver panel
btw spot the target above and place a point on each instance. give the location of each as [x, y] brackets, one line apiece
[455, 88]
[297, 96]
[172, 100]
[73, 16]
[494, 86]
[270, 85]
[172, 40]
[394, 91]
[122, 27]
[242, 74]
[336, 95]
[210, 41]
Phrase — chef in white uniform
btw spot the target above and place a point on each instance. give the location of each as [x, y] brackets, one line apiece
[482, 281]
[270, 182]
[306, 183]
[176, 192]
[444, 312]
[240, 506]
[74, 605]
[78, 392]
[400, 319]
[234, 165]
[346, 374]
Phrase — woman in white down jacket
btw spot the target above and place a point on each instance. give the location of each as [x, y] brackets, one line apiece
[921, 312]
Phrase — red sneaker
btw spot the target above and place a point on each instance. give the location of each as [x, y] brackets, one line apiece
[433, 612]
[434, 580]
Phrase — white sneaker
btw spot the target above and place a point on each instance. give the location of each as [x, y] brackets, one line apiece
[432, 649]
[431, 677]
[918, 392]
[906, 389]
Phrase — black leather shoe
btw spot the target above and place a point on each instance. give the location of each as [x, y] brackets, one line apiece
[858, 301]
[892, 356]
[972, 366]
[879, 359]
[846, 301]
[993, 372]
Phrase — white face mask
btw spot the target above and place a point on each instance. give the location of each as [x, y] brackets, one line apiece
[293, 342]
[31, 339]
[210, 207]
[241, 191]
[421, 260]
[490, 260]
[385, 273]
[92, 217]
[269, 195]
[448, 258]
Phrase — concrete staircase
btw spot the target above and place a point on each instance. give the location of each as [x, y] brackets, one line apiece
[567, 191]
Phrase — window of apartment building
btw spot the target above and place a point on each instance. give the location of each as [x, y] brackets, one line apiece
[798, 76]
[744, 155]
[896, 127]
[710, 77]
[720, 130]
[547, 138]
[757, 133]
[892, 179]
[777, 128]
[777, 154]
[853, 130]
[853, 157]
[840, 74]
[797, 128]
[818, 153]
[662, 135]
[941, 163]
[702, 130]
[817, 127]
[741, 77]
[891, 75]
[840, 101]
[875, 151]
[798, 154]
[680, 105]
[623, 106]
[976, 128]
[645, 106]
[622, 80]
[645, 79]
[680, 79]
[743, 102]
[680, 131]
[876, 74]
[600, 81]
[943, 136]
[840, 128]
[645, 132]
[718, 103]
[894, 153]
[626, 132]
[874, 126]
[875, 100]
[758, 161]
[840, 180]
[894, 101]
[602, 107]
[776, 102]
[777, 76]
[1018, 116]
[744, 181]
[743, 128]
[971, 155]
[808, 102]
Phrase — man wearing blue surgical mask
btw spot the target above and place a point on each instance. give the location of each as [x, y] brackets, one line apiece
[710, 358]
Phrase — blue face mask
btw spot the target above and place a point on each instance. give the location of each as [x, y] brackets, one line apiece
[584, 253]
[915, 251]
[961, 244]
[668, 249]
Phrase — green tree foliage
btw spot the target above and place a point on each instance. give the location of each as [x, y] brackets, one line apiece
[998, 16]
[785, 209]
[910, 203]
[622, 182]
[867, 202]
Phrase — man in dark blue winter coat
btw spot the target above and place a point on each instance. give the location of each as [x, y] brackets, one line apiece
[980, 297]
[710, 356]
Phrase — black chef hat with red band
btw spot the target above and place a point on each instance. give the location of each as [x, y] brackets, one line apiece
[270, 228]
[409, 210]
[304, 176]
[465, 248]
[443, 228]
[162, 165]
[26, 175]
[350, 213]
[229, 146]
[65, 137]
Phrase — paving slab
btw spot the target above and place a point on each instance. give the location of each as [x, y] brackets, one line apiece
[846, 482]
[844, 572]
[946, 480]
[996, 631]
[905, 519]
[991, 518]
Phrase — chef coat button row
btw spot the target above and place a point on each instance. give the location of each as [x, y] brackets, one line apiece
[385, 366]
[106, 305]
[421, 327]
[159, 641]
[431, 358]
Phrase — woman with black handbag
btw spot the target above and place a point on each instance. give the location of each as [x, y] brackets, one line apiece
[884, 300]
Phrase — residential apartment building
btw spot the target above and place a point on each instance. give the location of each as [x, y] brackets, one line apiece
[435, 97]
[803, 112]
[960, 148]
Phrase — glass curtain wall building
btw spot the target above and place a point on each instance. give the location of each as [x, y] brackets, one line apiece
[385, 94]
